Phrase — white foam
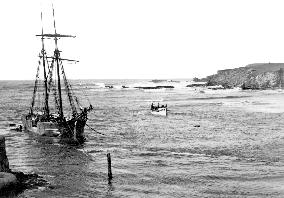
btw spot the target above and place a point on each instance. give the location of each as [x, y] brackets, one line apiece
[100, 85]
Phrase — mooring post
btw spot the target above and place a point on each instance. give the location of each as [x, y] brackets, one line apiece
[109, 167]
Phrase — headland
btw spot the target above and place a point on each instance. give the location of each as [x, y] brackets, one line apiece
[252, 76]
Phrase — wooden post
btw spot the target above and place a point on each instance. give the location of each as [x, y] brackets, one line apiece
[109, 168]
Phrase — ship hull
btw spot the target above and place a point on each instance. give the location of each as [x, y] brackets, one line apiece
[68, 133]
[50, 129]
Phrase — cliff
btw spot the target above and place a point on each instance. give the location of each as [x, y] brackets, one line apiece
[253, 76]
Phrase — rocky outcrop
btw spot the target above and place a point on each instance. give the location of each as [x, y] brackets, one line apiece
[255, 76]
[7, 179]
[4, 163]
[13, 183]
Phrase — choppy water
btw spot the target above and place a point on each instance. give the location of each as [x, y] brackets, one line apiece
[238, 150]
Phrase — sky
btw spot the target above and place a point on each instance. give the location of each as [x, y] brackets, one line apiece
[142, 39]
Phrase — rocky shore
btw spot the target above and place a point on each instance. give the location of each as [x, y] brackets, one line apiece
[13, 183]
[253, 76]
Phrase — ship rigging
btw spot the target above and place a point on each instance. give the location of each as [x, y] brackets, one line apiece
[44, 120]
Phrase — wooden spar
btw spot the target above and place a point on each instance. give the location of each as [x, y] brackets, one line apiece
[55, 35]
[57, 55]
[65, 59]
[44, 73]
[56, 52]
[109, 167]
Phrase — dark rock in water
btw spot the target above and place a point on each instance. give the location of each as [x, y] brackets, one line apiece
[24, 181]
[197, 125]
[7, 180]
[156, 87]
[109, 86]
[27, 181]
[124, 86]
[13, 183]
[4, 163]
[145, 87]
[12, 125]
[215, 87]
[166, 86]
[196, 85]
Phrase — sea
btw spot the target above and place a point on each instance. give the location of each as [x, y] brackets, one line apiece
[213, 142]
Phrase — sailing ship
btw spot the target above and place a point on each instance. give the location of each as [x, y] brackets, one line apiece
[47, 119]
[159, 110]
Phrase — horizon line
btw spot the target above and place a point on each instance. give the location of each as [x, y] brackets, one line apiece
[104, 79]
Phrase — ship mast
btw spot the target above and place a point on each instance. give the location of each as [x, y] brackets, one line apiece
[58, 60]
[46, 108]
[57, 54]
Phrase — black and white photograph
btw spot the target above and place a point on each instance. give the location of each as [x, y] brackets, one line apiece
[142, 98]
